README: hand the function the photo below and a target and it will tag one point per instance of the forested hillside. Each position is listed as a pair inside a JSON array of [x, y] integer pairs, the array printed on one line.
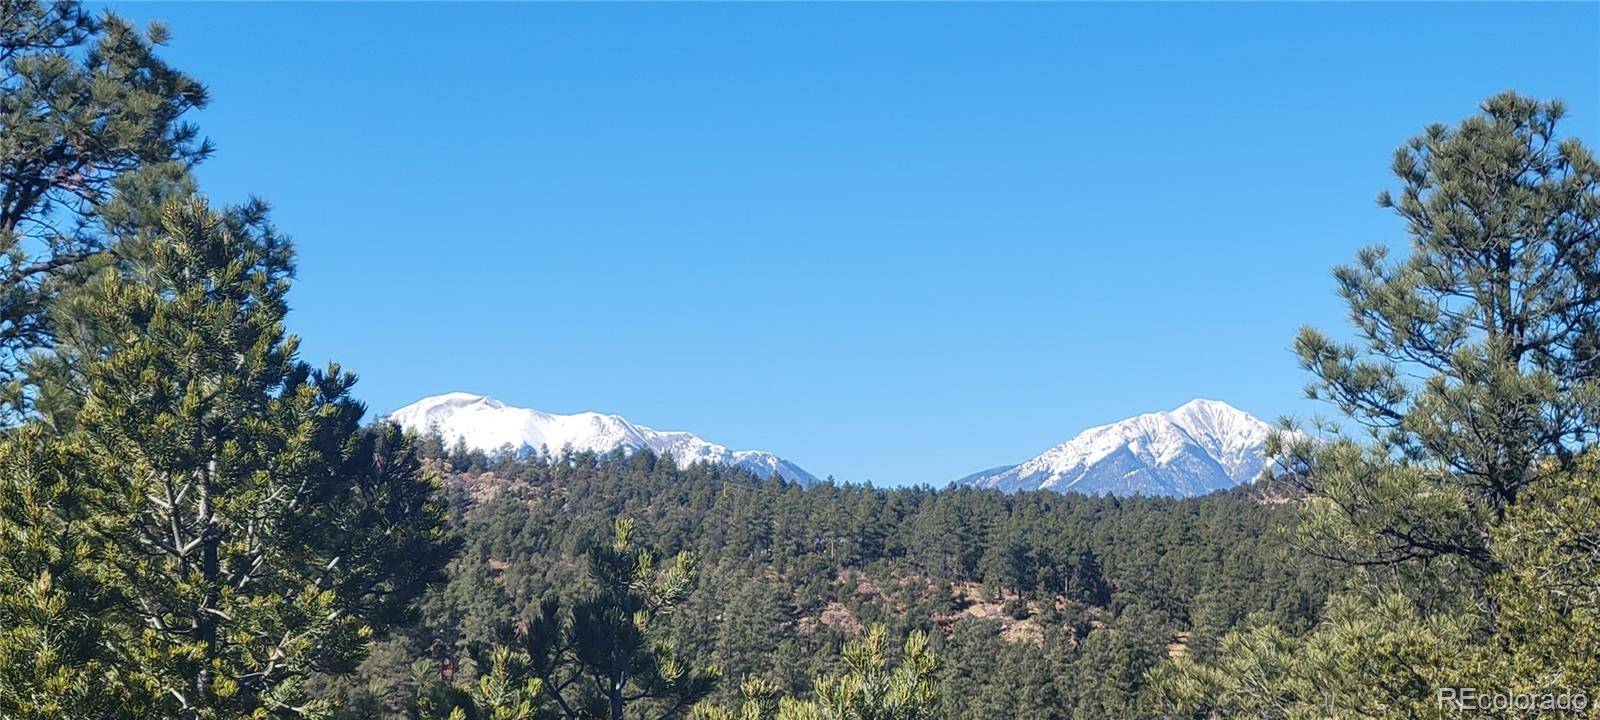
[[1039, 604]]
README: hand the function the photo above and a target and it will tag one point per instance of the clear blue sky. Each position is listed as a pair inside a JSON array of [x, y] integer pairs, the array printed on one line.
[[890, 242]]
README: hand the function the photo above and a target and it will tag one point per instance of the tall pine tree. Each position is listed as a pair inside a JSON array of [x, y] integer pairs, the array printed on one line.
[[1466, 511], [1478, 358], [89, 112], [262, 535]]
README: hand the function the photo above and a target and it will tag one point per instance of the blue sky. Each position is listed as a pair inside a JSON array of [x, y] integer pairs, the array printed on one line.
[[890, 242]]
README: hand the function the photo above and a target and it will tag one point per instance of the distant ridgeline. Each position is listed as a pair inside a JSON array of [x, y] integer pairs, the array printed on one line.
[[1039, 604], [1201, 447], [483, 423]]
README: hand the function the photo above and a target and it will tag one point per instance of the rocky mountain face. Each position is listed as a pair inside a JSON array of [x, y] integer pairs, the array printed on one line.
[[1197, 448]]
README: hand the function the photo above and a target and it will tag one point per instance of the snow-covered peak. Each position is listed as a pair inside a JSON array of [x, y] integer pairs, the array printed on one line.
[[452, 401], [1200, 446], [1233, 437], [490, 425], [1213, 414]]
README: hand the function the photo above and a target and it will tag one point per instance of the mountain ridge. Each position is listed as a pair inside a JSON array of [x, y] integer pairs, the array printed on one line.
[[487, 424], [1199, 447]]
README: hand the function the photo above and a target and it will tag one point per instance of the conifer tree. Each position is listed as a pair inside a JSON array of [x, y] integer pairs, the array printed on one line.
[[760, 700], [262, 535], [610, 656], [89, 111], [1479, 352], [505, 690], [1470, 510], [875, 687], [55, 590], [1549, 592]]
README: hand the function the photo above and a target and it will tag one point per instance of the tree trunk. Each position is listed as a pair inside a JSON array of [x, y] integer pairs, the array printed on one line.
[[205, 622]]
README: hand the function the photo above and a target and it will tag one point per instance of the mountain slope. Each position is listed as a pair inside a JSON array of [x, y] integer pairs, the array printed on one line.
[[1197, 448], [489, 425]]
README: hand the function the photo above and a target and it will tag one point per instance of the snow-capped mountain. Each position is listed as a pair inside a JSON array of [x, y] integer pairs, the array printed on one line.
[[489, 425], [1200, 447]]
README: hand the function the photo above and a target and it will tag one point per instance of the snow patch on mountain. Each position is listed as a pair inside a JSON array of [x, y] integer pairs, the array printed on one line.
[[1197, 448], [487, 424]]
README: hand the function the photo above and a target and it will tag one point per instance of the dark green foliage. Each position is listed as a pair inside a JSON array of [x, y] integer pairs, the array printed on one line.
[[787, 575], [1469, 509], [89, 111], [609, 656], [259, 534], [1479, 352], [384, 521]]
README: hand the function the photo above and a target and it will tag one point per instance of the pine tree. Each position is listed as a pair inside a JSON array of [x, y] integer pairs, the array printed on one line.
[[609, 656], [1470, 511], [760, 701], [1549, 592], [55, 591], [262, 535], [1495, 311], [89, 112], [875, 687], [1086, 582], [505, 690]]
